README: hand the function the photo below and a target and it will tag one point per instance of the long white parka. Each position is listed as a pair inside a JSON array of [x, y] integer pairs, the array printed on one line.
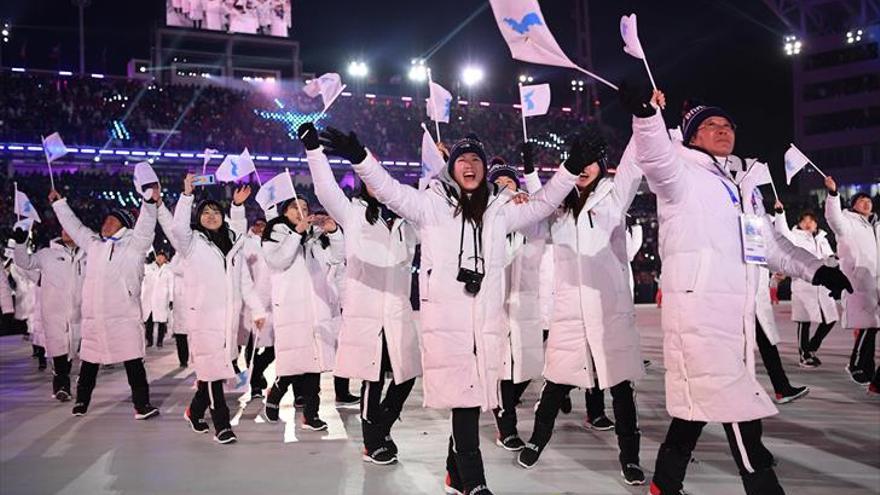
[[593, 323], [858, 246], [708, 316], [303, 309], [62, 271], [262, 275], [215, 285], [112, 324], [461, 335], [809, 302], [157, 292], [377, 284]]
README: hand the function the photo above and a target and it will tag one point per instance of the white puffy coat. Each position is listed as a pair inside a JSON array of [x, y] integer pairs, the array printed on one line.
[[7, 305], [377, 284], [764, 306], [809, 302], [593, 323], [157, 292], [858, 246], [262, 275], [62, 271], [302, 307], [112, 323], [461, 337], [177, 320], [24, 293], [215, 285], [708, 315]]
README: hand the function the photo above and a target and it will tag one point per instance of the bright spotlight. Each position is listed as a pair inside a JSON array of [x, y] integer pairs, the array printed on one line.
[[523, 78], [418, 72], [792, 45], [357, 68], [471, 75], [854, 36]]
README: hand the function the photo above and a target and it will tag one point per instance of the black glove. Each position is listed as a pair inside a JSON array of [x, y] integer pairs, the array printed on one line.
[[19, 235], [832, 279], [309, 136], [587, 147], [778, 211], [344, 146], [528, 156], [636, 100]]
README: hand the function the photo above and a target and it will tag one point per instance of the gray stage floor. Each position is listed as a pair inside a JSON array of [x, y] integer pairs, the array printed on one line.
[[828, 442]]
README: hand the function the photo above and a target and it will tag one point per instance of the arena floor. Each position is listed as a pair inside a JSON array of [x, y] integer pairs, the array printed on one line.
[[828, 442]]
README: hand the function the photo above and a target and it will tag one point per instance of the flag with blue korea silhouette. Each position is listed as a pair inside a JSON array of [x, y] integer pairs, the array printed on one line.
[[439, 103], [535, 99], [24, 208], [527, 35], [54, 147], [234, 167], [276, 190]]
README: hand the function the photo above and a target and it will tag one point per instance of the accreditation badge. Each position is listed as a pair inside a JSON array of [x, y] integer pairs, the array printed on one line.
[[751, 232]]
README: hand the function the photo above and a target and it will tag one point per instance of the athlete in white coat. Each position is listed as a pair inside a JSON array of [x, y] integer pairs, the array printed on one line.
[[112, 326], [61, 268], [217, 281], [522, 344], [592, 332], [378, 335], [710, 282], [463, 223], [157, 295], [858, 246], [263, 339], [7, 303], [809, 304], [299, 255]]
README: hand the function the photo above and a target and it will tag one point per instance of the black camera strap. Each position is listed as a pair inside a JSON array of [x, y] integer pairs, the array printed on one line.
[[479, 263]]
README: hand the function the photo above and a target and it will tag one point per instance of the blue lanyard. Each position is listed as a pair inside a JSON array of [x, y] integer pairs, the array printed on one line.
[[721, 176]]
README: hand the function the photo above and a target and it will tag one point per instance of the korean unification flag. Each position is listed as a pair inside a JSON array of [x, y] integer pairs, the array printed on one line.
[[432, 159], [143, 175], [527, 35], [234, 167], [756, 174], [329, 86], [629, 32], [54, 147], [24, 208], [439, 103], [535, 99], [275, 190], [794, 162]]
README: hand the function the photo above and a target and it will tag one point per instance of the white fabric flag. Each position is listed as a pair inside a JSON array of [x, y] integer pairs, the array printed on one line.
[[535, 99], [24, 208], [329, 86], [756, 174], [143, 175], [432, 159], [234, 167], [275, 190], [24, 224], [439, 103], [794, 162], [527, 35], [54, 147], [629, 31]]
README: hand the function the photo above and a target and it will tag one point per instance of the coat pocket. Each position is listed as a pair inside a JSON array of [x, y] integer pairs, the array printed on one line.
[[682, 271]]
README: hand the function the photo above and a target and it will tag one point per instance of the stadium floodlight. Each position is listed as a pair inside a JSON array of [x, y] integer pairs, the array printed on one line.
[[792, 45], [418, 72], [358, 69], [853, 36], [524, 78], [471, 75]]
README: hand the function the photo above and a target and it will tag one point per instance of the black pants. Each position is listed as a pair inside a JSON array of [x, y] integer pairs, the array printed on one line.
[[148, 330], [807, 344], [464, 463], [754, 461], [40, 354], [862, 356], [341, 387], [378, 415], [262, 360], [772, 361], [505, 416], [625, 415], [182, 349], [61, 373], [210, 394], [306, 386], [137, 380], [595, 400]]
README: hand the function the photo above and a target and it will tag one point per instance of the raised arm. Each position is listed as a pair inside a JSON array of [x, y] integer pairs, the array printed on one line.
[[166, 221], [533, 182], [543, 203], [327, 190], [628, 177], [833, 212], [634, 240], [181, 230], [282, 247], [81, 235], [780, 224], [145, 228], [406, 201], [237, 214], [784, 257]]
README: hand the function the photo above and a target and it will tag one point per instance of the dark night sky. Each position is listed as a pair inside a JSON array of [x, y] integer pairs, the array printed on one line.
[[726, 53]]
